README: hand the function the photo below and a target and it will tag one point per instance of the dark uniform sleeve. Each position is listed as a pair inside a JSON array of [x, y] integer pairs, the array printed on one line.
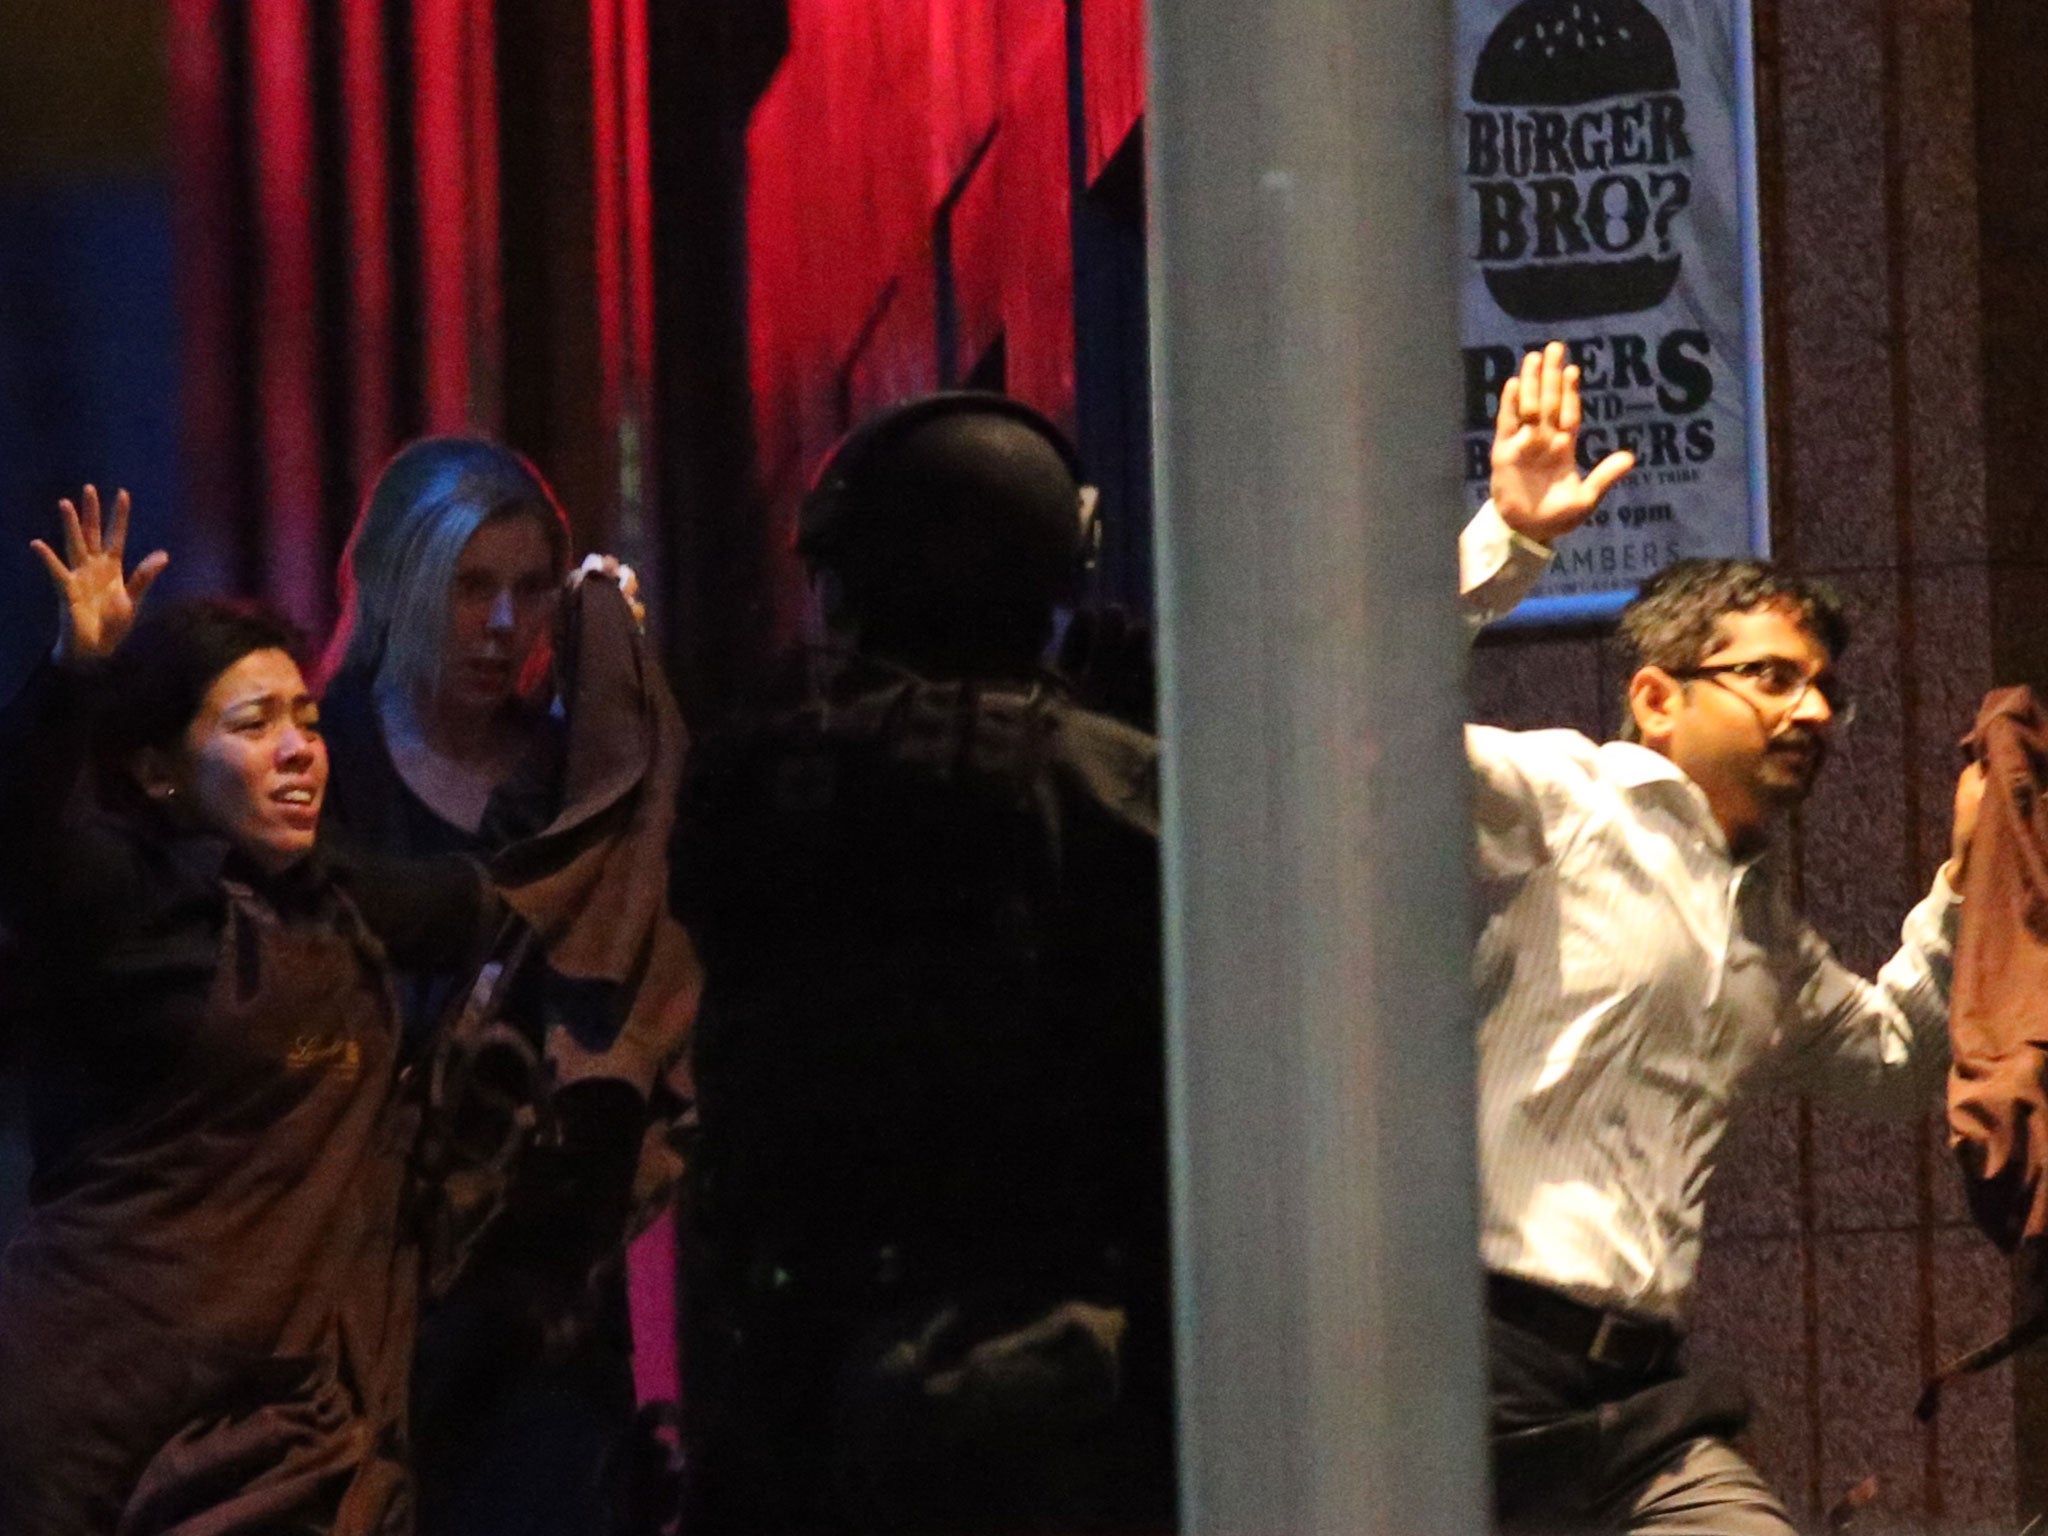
[[432, 915], [63, 870]]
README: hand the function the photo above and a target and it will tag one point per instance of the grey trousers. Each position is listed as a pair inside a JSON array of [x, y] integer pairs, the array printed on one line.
[[1705, 1489]]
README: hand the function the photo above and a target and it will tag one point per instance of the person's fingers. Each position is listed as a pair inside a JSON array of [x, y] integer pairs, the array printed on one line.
[[1553, 383], [89, 520], [117, 533], [60, 573], [74, 536], [627, 578], [1510, 417], [1529, 398], [1568, 408], [145, 574], [1607, 471]]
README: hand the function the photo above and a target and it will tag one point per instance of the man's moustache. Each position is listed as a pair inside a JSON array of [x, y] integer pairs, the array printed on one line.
[[1804, 742]]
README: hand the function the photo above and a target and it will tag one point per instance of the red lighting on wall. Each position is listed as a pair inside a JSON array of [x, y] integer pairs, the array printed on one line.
[[636, 165], [202, 178], [607, 219], [364, 109], [297, 572], [1113, 60], [622, 233], [484, 264], [455, 125]]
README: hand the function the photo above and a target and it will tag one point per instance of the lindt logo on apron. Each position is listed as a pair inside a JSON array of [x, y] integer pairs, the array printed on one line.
[[1606, 195]]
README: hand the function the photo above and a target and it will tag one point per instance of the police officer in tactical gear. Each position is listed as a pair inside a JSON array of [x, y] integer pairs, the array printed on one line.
[[928, 1286]]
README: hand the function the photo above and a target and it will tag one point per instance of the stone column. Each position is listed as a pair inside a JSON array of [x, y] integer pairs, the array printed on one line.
[[1304, 336]]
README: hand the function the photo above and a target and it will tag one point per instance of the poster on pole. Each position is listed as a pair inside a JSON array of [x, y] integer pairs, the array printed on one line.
[[1607, 196]]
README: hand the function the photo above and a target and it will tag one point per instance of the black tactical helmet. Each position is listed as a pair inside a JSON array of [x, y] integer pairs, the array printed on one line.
[[948, 527]]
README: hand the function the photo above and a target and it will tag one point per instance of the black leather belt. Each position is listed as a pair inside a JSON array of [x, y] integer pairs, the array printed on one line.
[[1618, 1341]]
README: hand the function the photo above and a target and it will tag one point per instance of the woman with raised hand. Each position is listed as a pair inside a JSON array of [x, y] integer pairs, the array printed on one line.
[[206, 1321]]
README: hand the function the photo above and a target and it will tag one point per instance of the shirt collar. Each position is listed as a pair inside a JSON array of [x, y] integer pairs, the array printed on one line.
[[208, 857], [1635, 769], [201, 856], [1631, 765]]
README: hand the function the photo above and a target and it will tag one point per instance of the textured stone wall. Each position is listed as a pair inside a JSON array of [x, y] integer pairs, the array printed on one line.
[[1841, 1265]]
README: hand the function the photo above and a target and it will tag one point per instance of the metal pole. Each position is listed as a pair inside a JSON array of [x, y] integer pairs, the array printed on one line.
[[1304, 340]]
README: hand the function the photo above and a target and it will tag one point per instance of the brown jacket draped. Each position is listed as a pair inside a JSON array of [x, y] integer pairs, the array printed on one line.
[[1998, 1021]]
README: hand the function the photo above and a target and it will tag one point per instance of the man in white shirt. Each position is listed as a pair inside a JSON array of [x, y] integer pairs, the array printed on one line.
[[1640, 971]]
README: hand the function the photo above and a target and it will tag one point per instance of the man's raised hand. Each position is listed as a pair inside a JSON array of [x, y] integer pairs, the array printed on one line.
[[99, 601], [1537, 487]]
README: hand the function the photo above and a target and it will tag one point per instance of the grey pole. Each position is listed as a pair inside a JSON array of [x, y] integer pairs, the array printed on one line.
[[1304, 341]]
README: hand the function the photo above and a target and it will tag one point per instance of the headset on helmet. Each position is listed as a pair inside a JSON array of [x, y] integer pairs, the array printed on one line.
[[822, 520]]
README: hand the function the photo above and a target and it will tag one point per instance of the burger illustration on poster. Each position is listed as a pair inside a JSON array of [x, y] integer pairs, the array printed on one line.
[[1578, 155], [1605, 204]]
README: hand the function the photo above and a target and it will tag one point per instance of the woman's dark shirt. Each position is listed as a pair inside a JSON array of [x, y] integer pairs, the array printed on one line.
[[373, 812], [369, 798]]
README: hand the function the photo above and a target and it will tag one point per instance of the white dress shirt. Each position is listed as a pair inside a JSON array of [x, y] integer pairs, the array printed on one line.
[[1635, 983]]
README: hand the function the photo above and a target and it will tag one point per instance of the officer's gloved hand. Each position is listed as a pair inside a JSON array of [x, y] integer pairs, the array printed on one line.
[[1060, 1367], [945, 1426]]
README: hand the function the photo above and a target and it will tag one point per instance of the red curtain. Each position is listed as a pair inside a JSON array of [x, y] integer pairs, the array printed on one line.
[[341, 262]]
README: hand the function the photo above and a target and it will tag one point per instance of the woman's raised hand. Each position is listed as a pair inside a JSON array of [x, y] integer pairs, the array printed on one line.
[[99, 601]]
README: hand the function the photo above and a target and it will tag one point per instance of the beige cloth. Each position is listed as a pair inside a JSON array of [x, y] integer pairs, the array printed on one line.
[[1705, 1489]]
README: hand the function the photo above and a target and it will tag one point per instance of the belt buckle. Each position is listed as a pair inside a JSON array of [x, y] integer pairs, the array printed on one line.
[[1603, 1350]]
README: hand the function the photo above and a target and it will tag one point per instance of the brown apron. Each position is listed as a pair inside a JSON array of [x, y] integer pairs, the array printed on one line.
[[208, 1330]]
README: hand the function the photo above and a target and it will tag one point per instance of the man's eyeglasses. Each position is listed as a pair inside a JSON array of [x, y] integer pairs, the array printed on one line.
[[1780, 680]]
